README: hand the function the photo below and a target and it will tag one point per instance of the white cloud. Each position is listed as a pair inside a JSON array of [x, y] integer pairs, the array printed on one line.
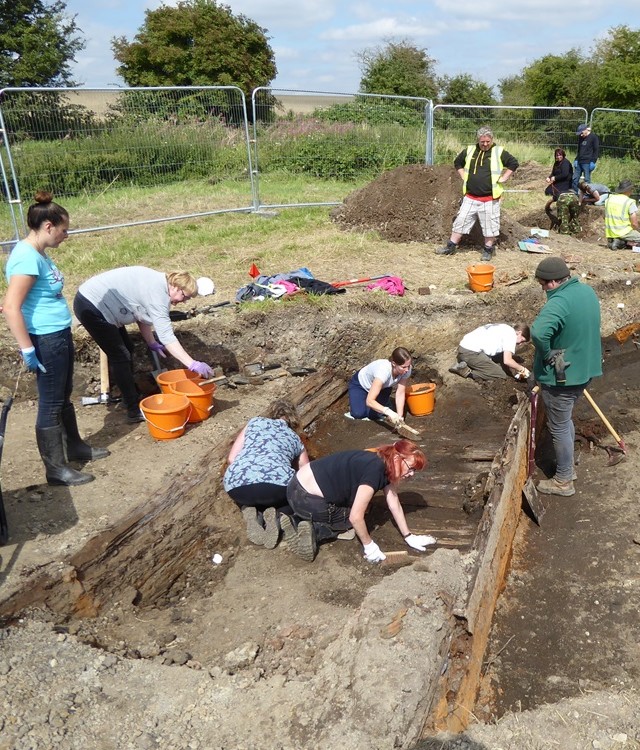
[[284, 14]]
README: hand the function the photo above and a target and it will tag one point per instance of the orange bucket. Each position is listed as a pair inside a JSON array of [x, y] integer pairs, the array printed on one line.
[[166, 415], [165, 379], [200, 397], [481, 277], [421, 398]]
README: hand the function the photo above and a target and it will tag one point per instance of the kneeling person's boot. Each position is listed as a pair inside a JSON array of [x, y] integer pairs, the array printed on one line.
[[51, 447], [77, 448], [449, 249], [487, 252], [301, 540]]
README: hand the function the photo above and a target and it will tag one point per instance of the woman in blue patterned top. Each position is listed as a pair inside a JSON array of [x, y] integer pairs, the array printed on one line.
[[40, 320], [261, 463]]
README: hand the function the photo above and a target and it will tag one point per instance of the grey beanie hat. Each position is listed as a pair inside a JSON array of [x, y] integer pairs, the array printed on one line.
[[552, 269], [624, 186]]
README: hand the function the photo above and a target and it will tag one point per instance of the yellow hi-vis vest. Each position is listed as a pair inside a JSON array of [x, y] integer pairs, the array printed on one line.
[[496, 170], [616, 215]]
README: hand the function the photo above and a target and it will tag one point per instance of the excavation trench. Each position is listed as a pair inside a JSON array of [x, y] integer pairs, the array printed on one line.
[[275, 631]]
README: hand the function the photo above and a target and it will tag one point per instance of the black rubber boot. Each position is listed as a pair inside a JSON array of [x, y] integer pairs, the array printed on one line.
[[77, 449], [51, 447]]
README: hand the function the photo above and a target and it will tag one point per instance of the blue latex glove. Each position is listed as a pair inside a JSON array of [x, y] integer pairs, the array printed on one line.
[[202, 368], [31, 360], [158, 349], [592, 165]]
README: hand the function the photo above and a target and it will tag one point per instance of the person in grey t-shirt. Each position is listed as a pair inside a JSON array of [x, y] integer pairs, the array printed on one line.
[[106, 303]]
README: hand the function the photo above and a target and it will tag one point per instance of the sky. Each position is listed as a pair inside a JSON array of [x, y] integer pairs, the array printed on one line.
[[316, 42]]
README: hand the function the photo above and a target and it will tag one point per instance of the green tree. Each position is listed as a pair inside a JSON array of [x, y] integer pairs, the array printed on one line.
[[615, 64], [398, 68], [38, 43], [196, 43], [464, 89]]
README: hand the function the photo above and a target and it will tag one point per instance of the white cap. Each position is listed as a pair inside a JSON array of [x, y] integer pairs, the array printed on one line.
[[205, 286]]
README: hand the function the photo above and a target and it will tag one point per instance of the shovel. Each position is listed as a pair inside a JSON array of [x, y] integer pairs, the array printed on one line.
[[104, 397], [530, 491], [158, 366], [614, 458]]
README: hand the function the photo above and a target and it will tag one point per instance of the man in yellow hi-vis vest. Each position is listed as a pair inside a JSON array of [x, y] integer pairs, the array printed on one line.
[[484, 168], [621, 217]]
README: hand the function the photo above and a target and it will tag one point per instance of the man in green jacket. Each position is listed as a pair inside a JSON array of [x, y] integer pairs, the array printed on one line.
[[566, 335]]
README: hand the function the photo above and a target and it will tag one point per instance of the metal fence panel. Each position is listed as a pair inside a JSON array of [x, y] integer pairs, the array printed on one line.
[[82, 143], [618, 131], [333, 136], [454, 125]]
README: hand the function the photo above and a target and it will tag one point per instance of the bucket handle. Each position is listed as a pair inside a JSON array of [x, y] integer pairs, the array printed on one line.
[[172, 429]]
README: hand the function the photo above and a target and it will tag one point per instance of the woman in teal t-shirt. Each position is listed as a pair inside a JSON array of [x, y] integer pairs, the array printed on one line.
[[39, 318]]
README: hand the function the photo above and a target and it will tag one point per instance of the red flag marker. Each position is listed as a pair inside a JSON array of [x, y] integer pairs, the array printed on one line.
[[254, 271]]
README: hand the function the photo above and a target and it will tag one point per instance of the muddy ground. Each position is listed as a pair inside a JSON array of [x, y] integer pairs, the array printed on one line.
[[266, 651]]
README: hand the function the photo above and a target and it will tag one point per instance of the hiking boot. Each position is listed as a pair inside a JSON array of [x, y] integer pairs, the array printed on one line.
[[554, 487], [462, 369], [134, 416], [487, 253], [347, 535], [255, 531], [618, 244], [302, 540], [450, 249], [271, 528]]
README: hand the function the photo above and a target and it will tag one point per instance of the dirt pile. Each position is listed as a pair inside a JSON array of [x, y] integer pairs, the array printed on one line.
[[418, 203], [415, 203]]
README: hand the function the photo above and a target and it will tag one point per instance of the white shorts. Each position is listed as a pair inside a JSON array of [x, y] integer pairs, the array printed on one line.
[[486, 212]]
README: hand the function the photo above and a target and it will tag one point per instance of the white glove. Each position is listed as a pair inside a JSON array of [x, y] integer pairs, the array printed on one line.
[[420, 541], [522, 375], [393, 416], [373, 553]]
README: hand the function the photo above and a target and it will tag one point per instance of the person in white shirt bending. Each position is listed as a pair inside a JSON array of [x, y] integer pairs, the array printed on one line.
[[487, 352]]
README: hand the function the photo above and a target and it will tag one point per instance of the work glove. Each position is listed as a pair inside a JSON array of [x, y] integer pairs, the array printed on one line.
[[157, 347], [420, 541], [393, 416], [592, 165], [202, 368], [524, 375], [31, 360], [373, 553]]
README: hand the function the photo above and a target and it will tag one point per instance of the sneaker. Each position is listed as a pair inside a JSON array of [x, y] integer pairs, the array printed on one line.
[[347, 535], [134, 416], [449, 249], [487, 253], [271, 528], [462, 369], [349, 415], [554, 487], [255, 531]]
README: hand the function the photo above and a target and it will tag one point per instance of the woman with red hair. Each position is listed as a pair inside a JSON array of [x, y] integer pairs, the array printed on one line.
[[331, 495]]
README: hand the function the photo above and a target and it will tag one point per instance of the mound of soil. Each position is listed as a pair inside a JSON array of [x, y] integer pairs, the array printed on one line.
[[415, 203]]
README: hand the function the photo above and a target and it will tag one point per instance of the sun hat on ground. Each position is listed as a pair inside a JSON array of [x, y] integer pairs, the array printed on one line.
[[552, 269], [205, 286]]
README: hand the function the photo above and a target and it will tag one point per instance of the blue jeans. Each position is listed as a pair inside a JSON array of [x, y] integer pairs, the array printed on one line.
[[56, 352], [558, 403], [578, 169], [358, 400]]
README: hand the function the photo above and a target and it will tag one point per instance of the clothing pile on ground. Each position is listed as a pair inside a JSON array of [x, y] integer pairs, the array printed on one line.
[[281, 284]]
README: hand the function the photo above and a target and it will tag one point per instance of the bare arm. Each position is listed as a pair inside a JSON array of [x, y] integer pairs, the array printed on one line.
[[358, 509], [19, 288], [237, 446], [505, 175], [509, 361], [373, 394], [401, 393], [633, 218], [393, 501], [175, 350], [146, 331]]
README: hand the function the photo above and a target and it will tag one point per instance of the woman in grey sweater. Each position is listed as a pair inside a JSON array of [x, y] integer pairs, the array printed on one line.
[[106, 303]]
